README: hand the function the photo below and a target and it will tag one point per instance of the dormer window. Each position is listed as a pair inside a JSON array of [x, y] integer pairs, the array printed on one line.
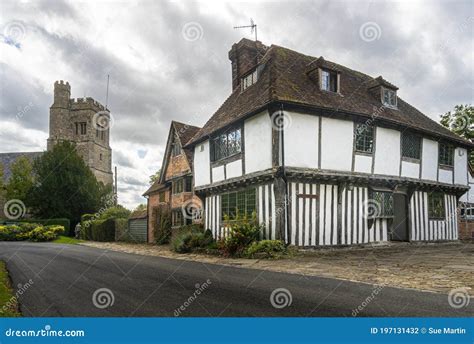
[[249, 80], [329, 80], [389, 97]]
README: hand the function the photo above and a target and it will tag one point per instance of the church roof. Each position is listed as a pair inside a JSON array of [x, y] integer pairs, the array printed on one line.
[[7, 159], [286, 78]]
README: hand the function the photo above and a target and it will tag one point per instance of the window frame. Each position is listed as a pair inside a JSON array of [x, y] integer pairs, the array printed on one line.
[[445, 155], [325, 85], [389, 92], [249, 79], [405, 155], [221, 154], [162, 197], [386, 212], [177, 186], [249, 198], [358, 132], [436, 214]]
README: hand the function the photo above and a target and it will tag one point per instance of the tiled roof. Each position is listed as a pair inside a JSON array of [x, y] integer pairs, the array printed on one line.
[[7, 159], [139, 214], [285, 78]]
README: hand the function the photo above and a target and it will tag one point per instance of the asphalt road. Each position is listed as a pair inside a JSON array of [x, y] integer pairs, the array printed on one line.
[[65, 278]]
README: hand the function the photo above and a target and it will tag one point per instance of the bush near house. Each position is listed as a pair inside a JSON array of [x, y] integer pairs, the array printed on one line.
[[243, 231], [162, 230], [192, 238], [272, 249], [104, 225], [29, 231]]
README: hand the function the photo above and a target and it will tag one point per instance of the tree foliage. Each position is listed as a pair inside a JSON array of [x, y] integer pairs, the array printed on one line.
[[65, 186], [155, 177], [461, 122], [21, 180]]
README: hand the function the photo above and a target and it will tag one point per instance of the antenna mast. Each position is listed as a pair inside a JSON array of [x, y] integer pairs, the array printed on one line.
[[107, 93], [252, 26]]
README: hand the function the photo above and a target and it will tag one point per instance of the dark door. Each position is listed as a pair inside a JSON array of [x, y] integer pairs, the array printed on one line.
[[399, 226]]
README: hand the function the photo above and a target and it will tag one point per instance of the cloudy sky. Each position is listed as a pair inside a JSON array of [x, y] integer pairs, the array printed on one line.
[[168, 60]]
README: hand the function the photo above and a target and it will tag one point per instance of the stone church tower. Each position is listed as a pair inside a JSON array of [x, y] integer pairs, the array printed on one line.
[[85, 122]]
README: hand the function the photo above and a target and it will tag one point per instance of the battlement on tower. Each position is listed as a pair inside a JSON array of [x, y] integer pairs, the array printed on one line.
[[86, 103]]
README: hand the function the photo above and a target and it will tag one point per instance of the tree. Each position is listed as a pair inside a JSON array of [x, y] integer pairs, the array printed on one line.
[[21, 180], [461, 122], [155, 177], [65, 186], [140, 207], [2, 185]]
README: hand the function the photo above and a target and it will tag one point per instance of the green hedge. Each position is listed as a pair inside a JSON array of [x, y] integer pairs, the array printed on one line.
[[98, 230], [49, 222], [29, 231]]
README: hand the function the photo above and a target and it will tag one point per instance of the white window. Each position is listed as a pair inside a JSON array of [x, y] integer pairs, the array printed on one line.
[[389, 97], [329, 80], [249, 80]]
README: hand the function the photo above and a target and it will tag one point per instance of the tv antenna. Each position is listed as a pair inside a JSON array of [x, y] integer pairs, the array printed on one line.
[[252, 26]]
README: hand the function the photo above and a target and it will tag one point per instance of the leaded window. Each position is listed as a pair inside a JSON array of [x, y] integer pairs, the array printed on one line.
[[329, 80], [178, 219], [389, 97], [364, 138], [436, 208], [178, 186], [226, 144], [411, 146], [249, 79], [380, 205], [446, 154], [81, 128], [241, 202]]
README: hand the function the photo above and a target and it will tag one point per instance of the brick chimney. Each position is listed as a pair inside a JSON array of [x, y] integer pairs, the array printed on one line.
[[245, 56]]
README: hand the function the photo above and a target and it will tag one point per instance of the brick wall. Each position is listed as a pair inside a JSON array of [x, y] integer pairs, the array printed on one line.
[[466, 229]]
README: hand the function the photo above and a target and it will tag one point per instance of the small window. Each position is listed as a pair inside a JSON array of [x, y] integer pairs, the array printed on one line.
[[81, 128], [100, 157], [175, 147], [364, 138], [436, 209], [382, 205], [411, 146], [329, 81], [389, 97], [161, 197], [178, 186], [249, 80], [188, 187], [238, 202], [226, 145], [446, 154]]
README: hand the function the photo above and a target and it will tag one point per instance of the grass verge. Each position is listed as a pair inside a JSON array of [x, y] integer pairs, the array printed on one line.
[[67, 240], [8, 302]]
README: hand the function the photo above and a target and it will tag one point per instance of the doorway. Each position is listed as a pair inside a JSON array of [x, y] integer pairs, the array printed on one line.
[[400, 219]]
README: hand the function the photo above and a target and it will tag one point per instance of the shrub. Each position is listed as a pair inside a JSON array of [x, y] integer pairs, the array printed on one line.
[[266, 249], [49, 222], [242, 232], [162, 230], [116, 212], [30, 231], [121, 230], [101, 230], [191, 238]]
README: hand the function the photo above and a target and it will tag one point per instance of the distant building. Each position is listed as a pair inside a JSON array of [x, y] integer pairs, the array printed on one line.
[[83, 121]]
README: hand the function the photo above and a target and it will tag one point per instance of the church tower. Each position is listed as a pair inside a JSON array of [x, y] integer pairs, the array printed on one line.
[[85, 122]]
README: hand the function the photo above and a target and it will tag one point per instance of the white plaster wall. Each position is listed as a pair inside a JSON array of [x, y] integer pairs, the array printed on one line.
[[460, 166], [429, 159], [445, 176], [201, 164], [301, 140], [387, 152], [258, 143], [337, 137], [410, 169], [363, 163], [233, 169], [217, 173]]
